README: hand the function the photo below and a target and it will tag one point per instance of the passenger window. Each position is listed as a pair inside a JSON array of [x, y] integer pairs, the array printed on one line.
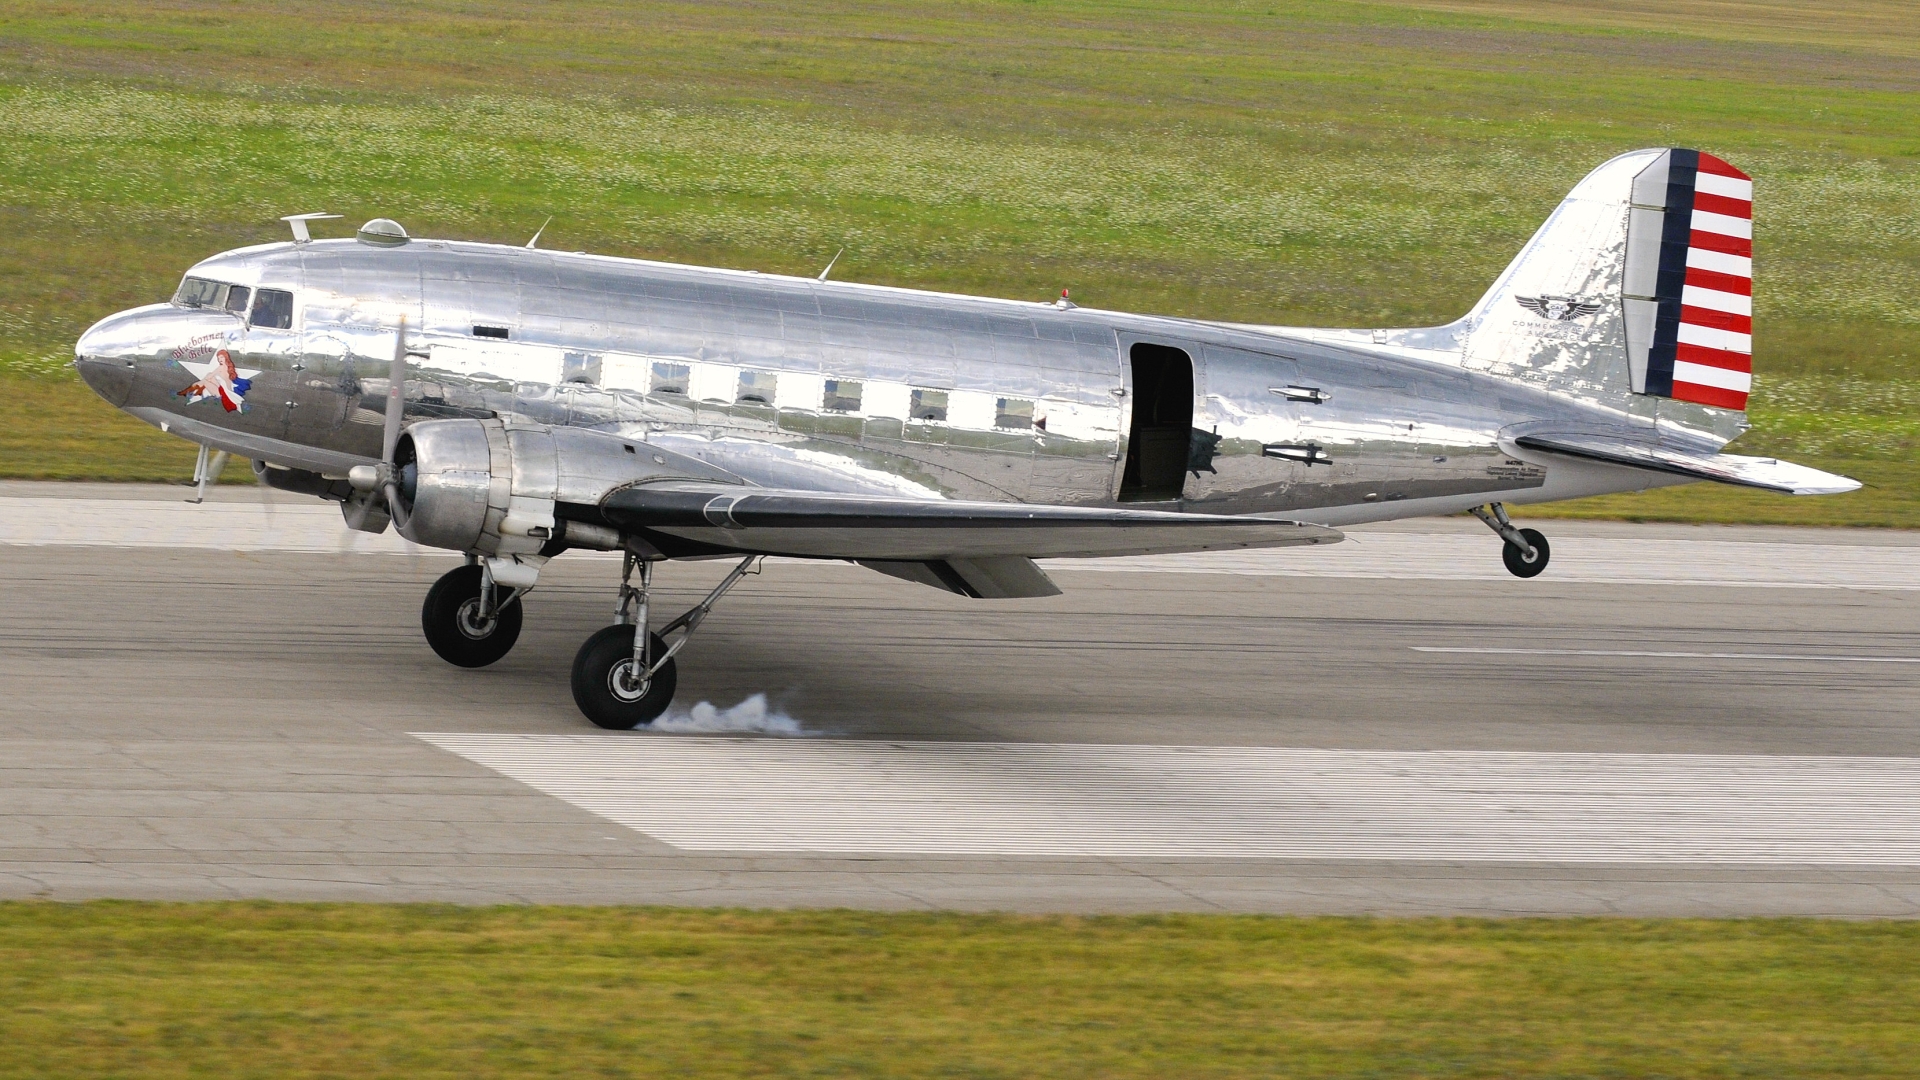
[[580, 368], [237, 299], [928, 405], [756, 388], [841, 396], [1015, 413], [670, 378], [273, 309], [199, 292]]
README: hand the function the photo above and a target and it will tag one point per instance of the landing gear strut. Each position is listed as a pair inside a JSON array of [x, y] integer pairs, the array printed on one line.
[[624, 676], [466, 619], [206, 470], [1526, 550]]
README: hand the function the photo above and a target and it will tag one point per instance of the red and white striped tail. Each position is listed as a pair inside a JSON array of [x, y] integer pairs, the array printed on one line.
[[1689, 280]]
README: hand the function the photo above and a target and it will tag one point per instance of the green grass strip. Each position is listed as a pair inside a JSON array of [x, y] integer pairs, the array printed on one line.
[[295, 990]]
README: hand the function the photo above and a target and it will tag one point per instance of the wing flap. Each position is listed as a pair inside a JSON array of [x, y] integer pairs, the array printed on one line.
[[859, 527], [1770, 474], [1007, 577]]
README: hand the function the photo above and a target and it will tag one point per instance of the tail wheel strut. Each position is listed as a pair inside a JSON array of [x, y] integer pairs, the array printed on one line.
[[1526, 550]]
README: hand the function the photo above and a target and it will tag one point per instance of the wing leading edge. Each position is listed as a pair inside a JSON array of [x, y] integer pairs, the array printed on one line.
[[865, 528]]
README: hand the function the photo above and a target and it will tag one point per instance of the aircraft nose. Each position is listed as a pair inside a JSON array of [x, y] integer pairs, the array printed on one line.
[[106, 356], [109, 338]]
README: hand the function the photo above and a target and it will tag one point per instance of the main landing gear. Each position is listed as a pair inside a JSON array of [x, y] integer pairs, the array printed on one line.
[[1526, 550], [467, 621], [624, 676]]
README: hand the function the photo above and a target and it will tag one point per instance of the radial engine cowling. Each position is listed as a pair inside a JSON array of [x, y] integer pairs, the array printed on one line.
[[489, 487]]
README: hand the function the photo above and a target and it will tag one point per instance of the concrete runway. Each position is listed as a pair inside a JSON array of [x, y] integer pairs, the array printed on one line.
[[1671, 720]]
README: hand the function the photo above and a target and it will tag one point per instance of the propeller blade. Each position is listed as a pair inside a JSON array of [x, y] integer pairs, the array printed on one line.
[[396, 406], [265, 489], [396, 391]]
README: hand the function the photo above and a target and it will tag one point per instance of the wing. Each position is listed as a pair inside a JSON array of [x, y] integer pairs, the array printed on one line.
[[244, 444], [1533, 304], [1771, 474], [1585, 307], [865, 528]]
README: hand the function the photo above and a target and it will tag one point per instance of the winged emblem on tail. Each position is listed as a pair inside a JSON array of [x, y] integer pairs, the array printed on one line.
[[1558, 307]]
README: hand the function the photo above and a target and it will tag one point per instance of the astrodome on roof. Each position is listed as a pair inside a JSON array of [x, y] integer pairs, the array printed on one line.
[[383, 232]]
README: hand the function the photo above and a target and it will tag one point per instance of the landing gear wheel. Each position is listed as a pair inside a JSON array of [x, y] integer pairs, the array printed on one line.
[[1516, 558], [604, 685], [451, 619]]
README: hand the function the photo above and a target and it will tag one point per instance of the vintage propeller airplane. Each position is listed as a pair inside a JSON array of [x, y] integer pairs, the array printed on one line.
[[512, 403]]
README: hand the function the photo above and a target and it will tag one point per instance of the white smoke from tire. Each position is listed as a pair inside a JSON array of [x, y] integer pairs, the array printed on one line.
[[750, 717]]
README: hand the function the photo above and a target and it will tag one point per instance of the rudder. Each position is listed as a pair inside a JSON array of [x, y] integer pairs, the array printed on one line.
[[1688, 287]]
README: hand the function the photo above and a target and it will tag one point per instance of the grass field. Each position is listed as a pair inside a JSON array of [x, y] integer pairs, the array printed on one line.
[[1314, 163], [275, 990]]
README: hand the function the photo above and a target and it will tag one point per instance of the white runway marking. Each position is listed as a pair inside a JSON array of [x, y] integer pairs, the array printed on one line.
[[1043, 799], [1672, 655], [227, 526], [1436, 556]]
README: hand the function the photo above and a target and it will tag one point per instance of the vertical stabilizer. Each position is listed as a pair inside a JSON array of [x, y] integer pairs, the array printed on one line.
[[1637, 292]]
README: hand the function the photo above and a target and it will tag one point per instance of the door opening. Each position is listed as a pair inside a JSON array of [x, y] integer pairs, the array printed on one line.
[[1157, 443]]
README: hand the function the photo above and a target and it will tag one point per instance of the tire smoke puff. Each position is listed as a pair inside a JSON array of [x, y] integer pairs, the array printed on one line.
[[751, 716]]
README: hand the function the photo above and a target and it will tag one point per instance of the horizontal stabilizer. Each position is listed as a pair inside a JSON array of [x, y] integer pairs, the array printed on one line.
[[861, 527], [1771, 474]]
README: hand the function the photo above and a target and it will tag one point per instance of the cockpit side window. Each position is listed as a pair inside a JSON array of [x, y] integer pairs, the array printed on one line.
[[199, 292], [237, 299], [273, 309]]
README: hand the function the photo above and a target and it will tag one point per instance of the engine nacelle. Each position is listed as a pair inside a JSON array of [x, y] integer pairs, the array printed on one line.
[[489, 487]]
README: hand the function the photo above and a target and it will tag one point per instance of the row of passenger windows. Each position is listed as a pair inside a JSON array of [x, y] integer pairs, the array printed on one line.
[[840, 395], [271, 309]]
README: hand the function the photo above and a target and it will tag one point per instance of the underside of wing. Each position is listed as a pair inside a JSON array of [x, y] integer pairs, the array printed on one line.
[[258, 447], [1004, 577], [1770, 474], [866, 528]]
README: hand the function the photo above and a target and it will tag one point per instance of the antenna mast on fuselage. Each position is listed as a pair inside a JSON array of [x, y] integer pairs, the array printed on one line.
[[299, 224]]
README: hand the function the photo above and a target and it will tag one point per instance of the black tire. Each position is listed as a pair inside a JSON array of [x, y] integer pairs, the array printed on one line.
[[607, 655], [448, 618], [1516, 558]]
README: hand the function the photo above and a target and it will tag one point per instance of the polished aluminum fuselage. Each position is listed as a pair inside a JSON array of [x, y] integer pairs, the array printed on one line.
[[1016, 401]]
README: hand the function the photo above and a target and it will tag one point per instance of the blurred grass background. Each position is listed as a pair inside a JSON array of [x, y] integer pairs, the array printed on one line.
[[1308, 163], [296, 990]]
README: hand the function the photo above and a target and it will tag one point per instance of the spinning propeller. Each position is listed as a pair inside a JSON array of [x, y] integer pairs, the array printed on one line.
[[390, 435], [387, 477]]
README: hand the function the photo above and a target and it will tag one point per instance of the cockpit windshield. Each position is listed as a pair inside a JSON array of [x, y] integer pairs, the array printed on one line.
[[199, 292], [266, 308]]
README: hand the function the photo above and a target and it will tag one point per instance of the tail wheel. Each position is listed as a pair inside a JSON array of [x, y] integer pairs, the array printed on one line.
[[453, 624], [1517, 560], [609, 687]]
